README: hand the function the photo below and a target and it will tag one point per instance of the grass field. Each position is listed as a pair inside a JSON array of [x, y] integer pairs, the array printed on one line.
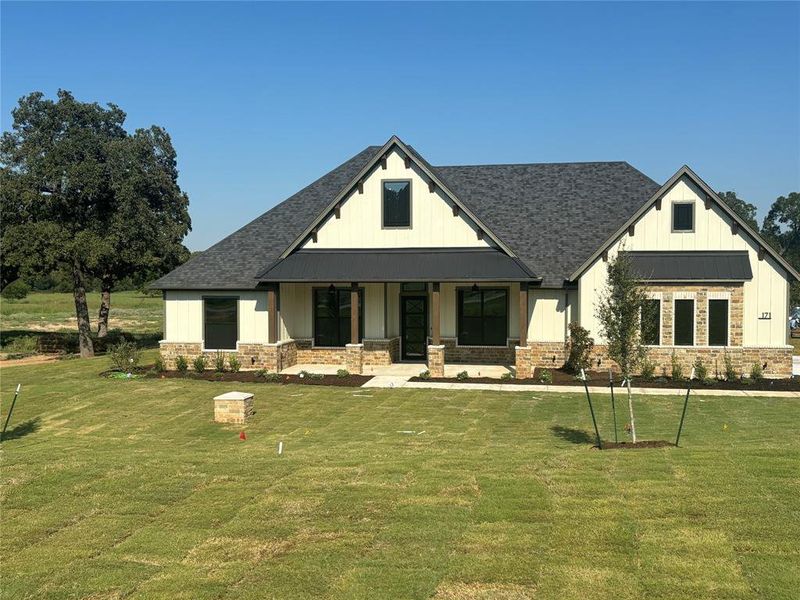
[[115, 488], [130, 311]]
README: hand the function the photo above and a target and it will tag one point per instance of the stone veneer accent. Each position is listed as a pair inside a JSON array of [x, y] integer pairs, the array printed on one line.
[[170, 351], [381, 351], [522, 355], [273, 357], [375, 352], [497, 355], [355, 358], [233, 407], [436, 358]]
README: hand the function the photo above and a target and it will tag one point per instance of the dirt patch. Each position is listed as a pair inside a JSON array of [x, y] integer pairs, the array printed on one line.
[[638, 445], [255, 377], [29, 360], [600, 379]]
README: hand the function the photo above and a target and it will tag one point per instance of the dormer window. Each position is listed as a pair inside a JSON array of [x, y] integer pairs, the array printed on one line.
[[396, 204], [683, 216]]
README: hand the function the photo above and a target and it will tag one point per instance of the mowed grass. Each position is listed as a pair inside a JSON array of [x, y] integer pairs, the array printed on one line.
[[131, 311], [126, 488]]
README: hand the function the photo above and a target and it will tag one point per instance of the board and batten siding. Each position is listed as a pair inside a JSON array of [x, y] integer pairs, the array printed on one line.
[[361, 218], [183, 312], [767, 292]]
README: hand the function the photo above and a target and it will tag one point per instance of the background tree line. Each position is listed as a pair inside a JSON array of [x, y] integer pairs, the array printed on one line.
[[85, 204]]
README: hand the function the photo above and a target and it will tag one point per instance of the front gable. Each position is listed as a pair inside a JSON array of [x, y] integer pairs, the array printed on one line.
[[436, 221]]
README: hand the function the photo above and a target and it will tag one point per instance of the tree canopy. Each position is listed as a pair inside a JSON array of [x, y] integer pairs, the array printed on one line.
[[741, 207]]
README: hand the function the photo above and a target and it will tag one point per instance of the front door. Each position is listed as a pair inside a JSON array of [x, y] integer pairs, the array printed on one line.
[[414, 327]]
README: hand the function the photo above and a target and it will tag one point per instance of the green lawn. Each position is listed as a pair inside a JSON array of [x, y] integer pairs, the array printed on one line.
[[131, 311], [115, 488]]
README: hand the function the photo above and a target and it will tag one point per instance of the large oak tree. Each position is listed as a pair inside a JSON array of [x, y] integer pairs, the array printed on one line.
[[80, 193]]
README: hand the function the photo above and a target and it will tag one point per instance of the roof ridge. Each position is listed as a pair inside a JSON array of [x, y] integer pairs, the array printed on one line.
[[530, 164]]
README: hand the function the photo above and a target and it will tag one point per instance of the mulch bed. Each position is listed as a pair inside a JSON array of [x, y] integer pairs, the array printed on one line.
[[637, 445], [600, 379], [253, 377]]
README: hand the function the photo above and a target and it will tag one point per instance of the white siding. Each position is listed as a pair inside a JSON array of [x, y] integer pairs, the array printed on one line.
[[547, 315], [766, 292], [432, 220], [184, 315]]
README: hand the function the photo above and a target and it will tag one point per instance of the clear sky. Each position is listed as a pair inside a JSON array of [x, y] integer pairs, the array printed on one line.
[[261, 99]]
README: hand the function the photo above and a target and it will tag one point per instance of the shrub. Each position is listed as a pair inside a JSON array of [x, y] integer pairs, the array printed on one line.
[[181, 364], [730, 372], [756, 372], [462, 376], [309, 375], [342, 373], [425, 374], [159, 365], [506, 376], [648, 368], [233, 363], [272, 377], [199, 363], [219, 362], [700, 369], [16, 290], [677, 368], [24, 346], [579, 348], [545, 376], [124, 355]]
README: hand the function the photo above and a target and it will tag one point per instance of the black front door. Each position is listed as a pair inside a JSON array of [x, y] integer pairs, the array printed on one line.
[[414, 327]]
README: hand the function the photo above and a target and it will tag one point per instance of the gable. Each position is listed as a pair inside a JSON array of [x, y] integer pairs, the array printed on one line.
[[436, 221]]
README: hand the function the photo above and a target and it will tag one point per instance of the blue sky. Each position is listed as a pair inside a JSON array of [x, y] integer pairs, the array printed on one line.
[[261, 99]]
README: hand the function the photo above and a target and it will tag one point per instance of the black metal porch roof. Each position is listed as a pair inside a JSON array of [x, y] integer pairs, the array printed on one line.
[[692, 265]]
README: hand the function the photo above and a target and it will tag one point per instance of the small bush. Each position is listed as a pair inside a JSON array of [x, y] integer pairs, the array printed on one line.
[[272, 377], [425, 374], [219, 362], [234, 363], [199, 363], [506, 376], [124, 355], [756, 372], [700, 369], [545, 376], [648, 369], [462, 376], [579, 349], [16, 290], [22, 346], [677, 368], [181, 364], [159, 366], [309, 375], [730, 372], [342, 373]]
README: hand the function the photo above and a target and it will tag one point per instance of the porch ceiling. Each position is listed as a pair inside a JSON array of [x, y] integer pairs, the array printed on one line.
[[398, 265]]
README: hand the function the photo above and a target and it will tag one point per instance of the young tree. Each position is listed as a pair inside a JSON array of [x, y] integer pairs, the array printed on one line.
[[782, 229], [619, 311], [79, 193]]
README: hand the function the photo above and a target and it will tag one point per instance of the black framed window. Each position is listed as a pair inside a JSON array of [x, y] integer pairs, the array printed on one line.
[[684, 323], [397, 204], [683, 216], [651, 322], [221, 323], [483, 317], [717, 322], [332, 316]]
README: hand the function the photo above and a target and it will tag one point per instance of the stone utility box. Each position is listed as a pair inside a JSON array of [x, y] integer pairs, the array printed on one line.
[[233, 407]]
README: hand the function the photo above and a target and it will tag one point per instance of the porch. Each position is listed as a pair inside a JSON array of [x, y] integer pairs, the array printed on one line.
[[406, 369]]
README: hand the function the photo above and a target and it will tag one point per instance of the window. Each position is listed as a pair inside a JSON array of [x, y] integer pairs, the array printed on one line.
[[683, 216], [482, 317], [414, 287], [717, 322], [397, 204], [684, 323], [651, 322], [332, 316], [221, 323]]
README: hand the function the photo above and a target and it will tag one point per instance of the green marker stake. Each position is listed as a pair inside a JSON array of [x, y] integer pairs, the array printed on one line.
[[591, 409]]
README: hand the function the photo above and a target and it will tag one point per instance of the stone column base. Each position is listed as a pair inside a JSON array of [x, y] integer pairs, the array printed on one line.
[[280, 355], [523, 356], [436, 361], [233, 407], [355, 358]]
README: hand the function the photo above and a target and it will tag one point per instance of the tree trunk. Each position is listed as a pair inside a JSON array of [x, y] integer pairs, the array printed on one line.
[[630, 410], [105, 307], [82, 312]]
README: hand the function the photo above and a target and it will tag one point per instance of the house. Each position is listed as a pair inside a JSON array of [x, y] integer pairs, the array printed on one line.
[[388, 258]]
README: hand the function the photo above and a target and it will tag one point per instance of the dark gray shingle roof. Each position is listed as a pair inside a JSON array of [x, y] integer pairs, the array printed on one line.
[[553, 216]]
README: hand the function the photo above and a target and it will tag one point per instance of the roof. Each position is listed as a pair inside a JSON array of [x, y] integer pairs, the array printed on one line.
[[406, 264], [691, 266], [551, 217]]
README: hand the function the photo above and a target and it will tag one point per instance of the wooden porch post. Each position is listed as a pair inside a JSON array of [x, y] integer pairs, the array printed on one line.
[[272, 313], [353, 313], [435, 319], [523, 314]]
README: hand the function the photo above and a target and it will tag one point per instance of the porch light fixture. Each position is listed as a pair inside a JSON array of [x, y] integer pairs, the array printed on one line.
[[475, 287], [331, 288]]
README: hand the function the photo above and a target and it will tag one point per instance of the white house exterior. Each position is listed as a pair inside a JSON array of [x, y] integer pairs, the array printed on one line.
[[387, 259]]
